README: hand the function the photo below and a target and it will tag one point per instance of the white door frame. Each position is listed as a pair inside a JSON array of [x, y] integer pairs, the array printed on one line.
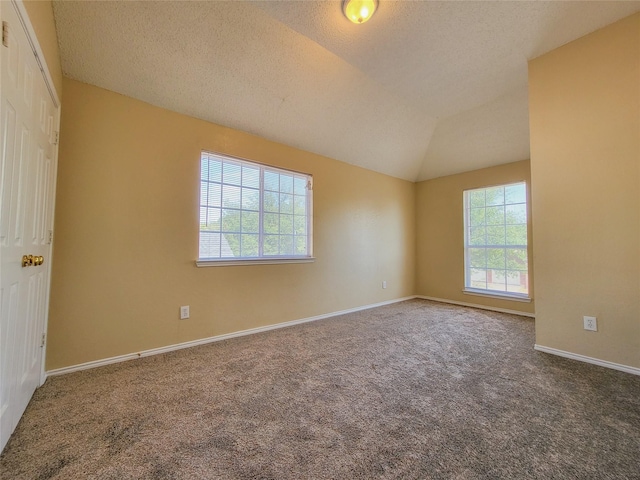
[[42, 63]]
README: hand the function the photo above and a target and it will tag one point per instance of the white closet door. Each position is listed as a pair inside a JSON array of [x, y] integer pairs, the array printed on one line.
[[27, 130]]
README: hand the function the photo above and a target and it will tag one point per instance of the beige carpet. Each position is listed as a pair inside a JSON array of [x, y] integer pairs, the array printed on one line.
[[415, 390]]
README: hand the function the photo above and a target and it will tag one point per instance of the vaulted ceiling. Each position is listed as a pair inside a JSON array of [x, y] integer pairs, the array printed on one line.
[[422, 90]]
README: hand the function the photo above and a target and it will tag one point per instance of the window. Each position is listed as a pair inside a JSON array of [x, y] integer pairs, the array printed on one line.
[[495, 243], [252, 212]]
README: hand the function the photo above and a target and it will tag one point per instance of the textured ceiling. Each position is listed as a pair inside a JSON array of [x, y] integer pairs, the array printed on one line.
[[422, 90]]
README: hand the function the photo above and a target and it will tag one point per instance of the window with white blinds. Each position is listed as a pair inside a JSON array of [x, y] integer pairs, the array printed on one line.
[[496, 251], [253, 212]]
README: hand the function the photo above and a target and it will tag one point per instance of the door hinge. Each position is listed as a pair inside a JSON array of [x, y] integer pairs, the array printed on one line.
[[44, 337], [56, 137], [5, 34], [50, 237]]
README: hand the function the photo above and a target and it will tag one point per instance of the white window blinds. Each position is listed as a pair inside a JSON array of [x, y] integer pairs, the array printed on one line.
[[252, 211]]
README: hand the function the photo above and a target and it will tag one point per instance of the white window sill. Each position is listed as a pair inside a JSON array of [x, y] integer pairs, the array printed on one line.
[[499, 295], [254, 261]]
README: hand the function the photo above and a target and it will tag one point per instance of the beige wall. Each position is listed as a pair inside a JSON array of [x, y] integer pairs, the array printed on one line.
[[585, 167], [126, 234], [41, 16], [440, 234], [126, 222]]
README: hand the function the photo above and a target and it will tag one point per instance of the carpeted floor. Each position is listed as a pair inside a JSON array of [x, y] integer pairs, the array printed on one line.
[[415, 390]]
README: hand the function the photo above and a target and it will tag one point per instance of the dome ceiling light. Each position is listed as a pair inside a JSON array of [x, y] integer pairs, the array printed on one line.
[[359, 11]]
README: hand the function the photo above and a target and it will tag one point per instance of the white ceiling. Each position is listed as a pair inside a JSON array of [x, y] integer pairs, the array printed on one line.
[[422, 90]]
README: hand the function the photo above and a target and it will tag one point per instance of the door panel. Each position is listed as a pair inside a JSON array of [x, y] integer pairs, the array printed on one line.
[[27, 175]]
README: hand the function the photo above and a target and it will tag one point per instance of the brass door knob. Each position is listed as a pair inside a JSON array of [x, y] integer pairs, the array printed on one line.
[[32, 260]]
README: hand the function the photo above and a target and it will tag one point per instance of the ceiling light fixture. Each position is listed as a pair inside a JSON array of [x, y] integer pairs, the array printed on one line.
[[359, 11]]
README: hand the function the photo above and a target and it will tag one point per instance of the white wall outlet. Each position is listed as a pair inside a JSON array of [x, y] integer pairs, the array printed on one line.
[[590, 323], [384, 284], [184, 312]]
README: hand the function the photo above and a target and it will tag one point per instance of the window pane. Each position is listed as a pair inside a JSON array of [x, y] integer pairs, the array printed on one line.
[[249, 245], [477, 235], [299, 205], [517, 259], [286, 184], [250, 177], [477, 257], [286, 224], [212, 219], [215, 171], [476, 198], [250, 199], [271, 223], [513, 277], [250, 222], [231, 173], [230, 196], [495, 235], [495, 215], [516, 194], [230, 245], [478, 278], [209, 245], [516, 234], [517, 282], [204, 192], [286, 203], [516, 213], [301, 245], [477, 217], [204, 168], [271, 202], [495, 196], [496, 280], [230, 220], [300, 225], [271, 181], [495, 258], [286, 245], [300, 186], [215, 195], [271, 244]]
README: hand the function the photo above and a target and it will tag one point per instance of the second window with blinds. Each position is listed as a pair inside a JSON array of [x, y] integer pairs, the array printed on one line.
[[253, 213], [496, 251]]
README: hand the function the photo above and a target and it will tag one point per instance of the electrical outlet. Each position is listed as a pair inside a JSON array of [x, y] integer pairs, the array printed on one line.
[[384, 284], [184, 312], [590, 323]]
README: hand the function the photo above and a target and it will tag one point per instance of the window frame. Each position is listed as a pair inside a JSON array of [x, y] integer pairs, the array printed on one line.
[[500, 294], [261, 259]]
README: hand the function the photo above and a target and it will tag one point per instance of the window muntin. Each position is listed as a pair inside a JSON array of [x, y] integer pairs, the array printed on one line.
[[496, 255], [250, 211]]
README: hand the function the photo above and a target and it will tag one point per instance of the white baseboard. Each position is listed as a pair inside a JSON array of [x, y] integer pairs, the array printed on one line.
[[584, 358], [474, 305], [217, 338]]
